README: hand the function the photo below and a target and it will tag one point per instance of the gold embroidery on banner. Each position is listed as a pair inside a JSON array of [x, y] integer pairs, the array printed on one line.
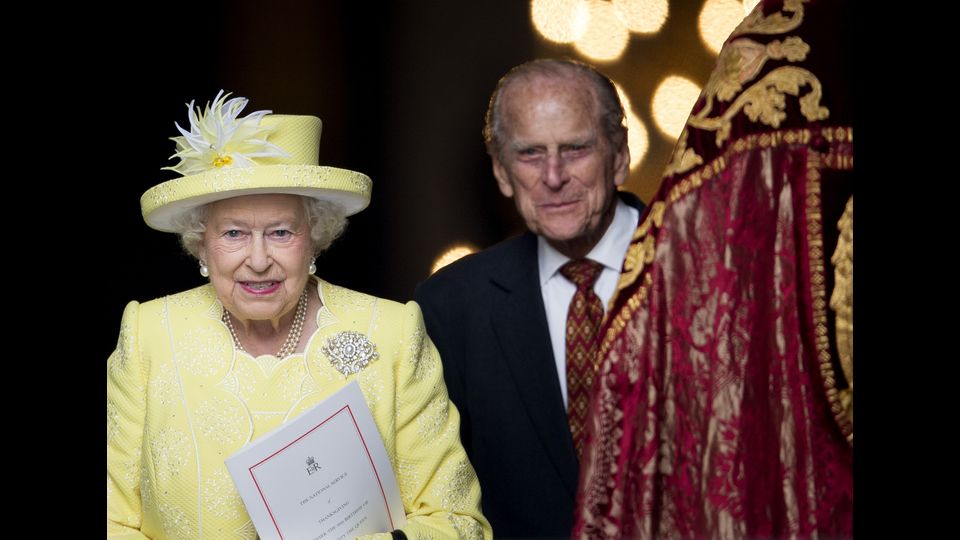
[[775, 23], [841, 301], [765, 101], [633, 264], [625, 314], [764, 140], [641, 252], [818, 294], [695, 180], [657, 213], [636, 255], [654, 218], [838, 134], [683, 158], [742, 60]]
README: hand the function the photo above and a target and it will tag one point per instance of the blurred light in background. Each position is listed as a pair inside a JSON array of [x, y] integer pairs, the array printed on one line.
[[600, 28], [561, 21], [671, 104], [643, 16], [717, 19], [637, 139], [646, 45], [451, 255], [748, 6], [606, 36]]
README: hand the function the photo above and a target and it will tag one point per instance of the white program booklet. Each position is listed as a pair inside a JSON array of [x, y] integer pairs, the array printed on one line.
[[322, 475]]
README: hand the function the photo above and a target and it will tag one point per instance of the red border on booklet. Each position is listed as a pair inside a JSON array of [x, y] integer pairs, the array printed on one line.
[[311, 430]]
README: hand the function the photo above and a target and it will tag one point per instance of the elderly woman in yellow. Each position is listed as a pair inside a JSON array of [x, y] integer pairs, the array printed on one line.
[[199, 374]]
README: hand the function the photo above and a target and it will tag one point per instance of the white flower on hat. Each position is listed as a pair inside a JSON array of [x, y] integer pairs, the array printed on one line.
[[219, 138]]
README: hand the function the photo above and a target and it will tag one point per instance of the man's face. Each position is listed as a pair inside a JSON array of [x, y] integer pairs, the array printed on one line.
[[556, 162]]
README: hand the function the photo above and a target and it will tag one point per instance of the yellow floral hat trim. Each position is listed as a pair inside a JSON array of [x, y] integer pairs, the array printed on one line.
[[225, 156]]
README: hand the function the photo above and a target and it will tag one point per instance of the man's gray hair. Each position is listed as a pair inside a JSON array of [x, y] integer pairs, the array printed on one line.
[[611, 116]]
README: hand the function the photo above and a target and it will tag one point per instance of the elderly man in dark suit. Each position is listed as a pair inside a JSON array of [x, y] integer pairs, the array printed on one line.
[[516, 324]]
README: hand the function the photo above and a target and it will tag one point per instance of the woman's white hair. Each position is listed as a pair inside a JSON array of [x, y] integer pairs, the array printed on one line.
[[327, 222]]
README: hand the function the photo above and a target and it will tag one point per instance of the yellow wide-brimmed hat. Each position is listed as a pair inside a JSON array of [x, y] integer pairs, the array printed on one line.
[[224, 156]]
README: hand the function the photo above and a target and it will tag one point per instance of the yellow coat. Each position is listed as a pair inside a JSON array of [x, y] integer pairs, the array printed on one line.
[[180, 400]]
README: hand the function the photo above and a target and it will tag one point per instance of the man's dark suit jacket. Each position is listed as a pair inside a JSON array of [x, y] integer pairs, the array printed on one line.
[[485, 314]]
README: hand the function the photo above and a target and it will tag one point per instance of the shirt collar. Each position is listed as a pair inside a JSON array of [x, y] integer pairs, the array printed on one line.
[[609, 251]]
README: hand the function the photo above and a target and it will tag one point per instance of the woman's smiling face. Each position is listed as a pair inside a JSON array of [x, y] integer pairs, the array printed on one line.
[[258, 250]]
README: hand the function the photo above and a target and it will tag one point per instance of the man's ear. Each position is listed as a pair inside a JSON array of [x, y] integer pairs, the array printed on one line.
[[503, 179], [621, 164]]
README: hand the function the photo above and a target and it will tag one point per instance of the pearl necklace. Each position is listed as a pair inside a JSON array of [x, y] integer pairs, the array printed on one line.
[[293, 337]]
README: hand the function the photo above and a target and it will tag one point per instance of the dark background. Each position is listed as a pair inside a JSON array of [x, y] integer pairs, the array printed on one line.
[[401, 88]]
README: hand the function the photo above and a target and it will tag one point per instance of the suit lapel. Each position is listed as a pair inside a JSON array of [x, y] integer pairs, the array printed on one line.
[[519, 322]]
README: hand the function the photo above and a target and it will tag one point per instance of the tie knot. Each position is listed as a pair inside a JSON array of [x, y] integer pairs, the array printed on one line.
[[582, 272]]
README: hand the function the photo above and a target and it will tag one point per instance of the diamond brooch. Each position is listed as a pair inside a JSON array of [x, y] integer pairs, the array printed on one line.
[[349, 352]]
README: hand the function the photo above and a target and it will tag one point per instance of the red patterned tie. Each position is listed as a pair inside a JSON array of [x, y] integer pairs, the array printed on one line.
[[583, 321]]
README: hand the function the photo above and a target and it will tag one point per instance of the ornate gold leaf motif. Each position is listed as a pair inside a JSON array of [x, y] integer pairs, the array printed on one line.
[[774, 23], [684, 158], [740, 61], [642, 248], [841, 302], [765, 101]]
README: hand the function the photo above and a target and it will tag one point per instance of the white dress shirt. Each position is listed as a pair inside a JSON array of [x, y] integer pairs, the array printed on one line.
[[558, 291]]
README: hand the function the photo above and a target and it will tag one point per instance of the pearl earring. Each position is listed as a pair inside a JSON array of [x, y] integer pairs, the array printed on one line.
[[204, 271], [313, 267]]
